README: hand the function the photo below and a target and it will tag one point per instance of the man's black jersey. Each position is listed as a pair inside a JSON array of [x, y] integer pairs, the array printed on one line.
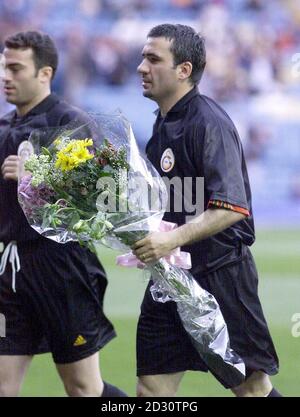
[[198, 139], [51, 112]]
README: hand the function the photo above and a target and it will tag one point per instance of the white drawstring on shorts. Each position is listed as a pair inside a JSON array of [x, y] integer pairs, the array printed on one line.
[[11, 253]]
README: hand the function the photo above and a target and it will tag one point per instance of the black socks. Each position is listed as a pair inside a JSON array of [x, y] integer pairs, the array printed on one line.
[[112, 391], [274, 393]]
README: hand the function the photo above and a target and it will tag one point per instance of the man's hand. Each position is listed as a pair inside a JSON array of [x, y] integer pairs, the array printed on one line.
[[11, 167], [154, 246]]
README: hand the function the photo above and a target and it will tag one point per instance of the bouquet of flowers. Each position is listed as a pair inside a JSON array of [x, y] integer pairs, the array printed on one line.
[[88, 182]]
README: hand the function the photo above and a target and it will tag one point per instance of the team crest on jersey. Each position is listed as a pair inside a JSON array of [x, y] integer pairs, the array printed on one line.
[[167, 161], [25, 150]]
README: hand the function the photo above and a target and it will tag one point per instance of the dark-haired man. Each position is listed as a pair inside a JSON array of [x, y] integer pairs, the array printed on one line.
[[50, 294], [194, 137]]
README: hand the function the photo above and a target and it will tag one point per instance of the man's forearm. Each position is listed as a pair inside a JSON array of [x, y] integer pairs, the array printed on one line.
[[209, 223], [159, 244]]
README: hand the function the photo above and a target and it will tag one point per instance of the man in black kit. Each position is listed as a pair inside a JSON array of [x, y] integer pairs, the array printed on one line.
[[50, 294], [194, 137]]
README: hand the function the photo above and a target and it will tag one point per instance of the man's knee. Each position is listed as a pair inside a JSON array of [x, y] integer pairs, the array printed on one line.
[[12, 372], [257, 385], [77, 388], [154, 386], [82, 378], [143, 390]]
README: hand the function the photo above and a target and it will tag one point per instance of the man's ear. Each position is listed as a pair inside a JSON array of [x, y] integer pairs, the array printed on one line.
[[45, 74], [185, 70]]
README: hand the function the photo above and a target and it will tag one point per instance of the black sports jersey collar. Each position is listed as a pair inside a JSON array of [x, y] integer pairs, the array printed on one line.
[[182, 102], [40, 108]]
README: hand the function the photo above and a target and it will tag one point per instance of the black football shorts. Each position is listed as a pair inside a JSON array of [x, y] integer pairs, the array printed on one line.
[[163, 345], [58, 303]]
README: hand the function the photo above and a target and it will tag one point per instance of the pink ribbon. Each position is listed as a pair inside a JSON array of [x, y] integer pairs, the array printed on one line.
[[176, 257]]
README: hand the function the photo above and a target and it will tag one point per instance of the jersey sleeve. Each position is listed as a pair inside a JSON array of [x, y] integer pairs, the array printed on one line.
[[227, 206], [223, 167]]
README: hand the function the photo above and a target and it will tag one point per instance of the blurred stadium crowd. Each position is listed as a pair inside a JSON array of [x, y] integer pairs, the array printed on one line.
[[250, 50]]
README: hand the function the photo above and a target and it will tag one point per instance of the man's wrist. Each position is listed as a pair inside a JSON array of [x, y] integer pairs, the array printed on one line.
[[181, 236]]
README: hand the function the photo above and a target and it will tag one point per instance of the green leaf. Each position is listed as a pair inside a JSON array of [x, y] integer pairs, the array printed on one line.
[[46, 151]]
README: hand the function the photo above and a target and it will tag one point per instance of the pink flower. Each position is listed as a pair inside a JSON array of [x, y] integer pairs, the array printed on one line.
[[33, 197]]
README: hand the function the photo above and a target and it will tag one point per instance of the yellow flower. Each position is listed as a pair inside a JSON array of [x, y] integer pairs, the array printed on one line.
[[73, 154], [82, 155], [88, 142], [65, 162]]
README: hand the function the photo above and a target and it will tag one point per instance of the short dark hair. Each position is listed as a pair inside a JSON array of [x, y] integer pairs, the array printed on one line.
[[187, 45], [43, 47]]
